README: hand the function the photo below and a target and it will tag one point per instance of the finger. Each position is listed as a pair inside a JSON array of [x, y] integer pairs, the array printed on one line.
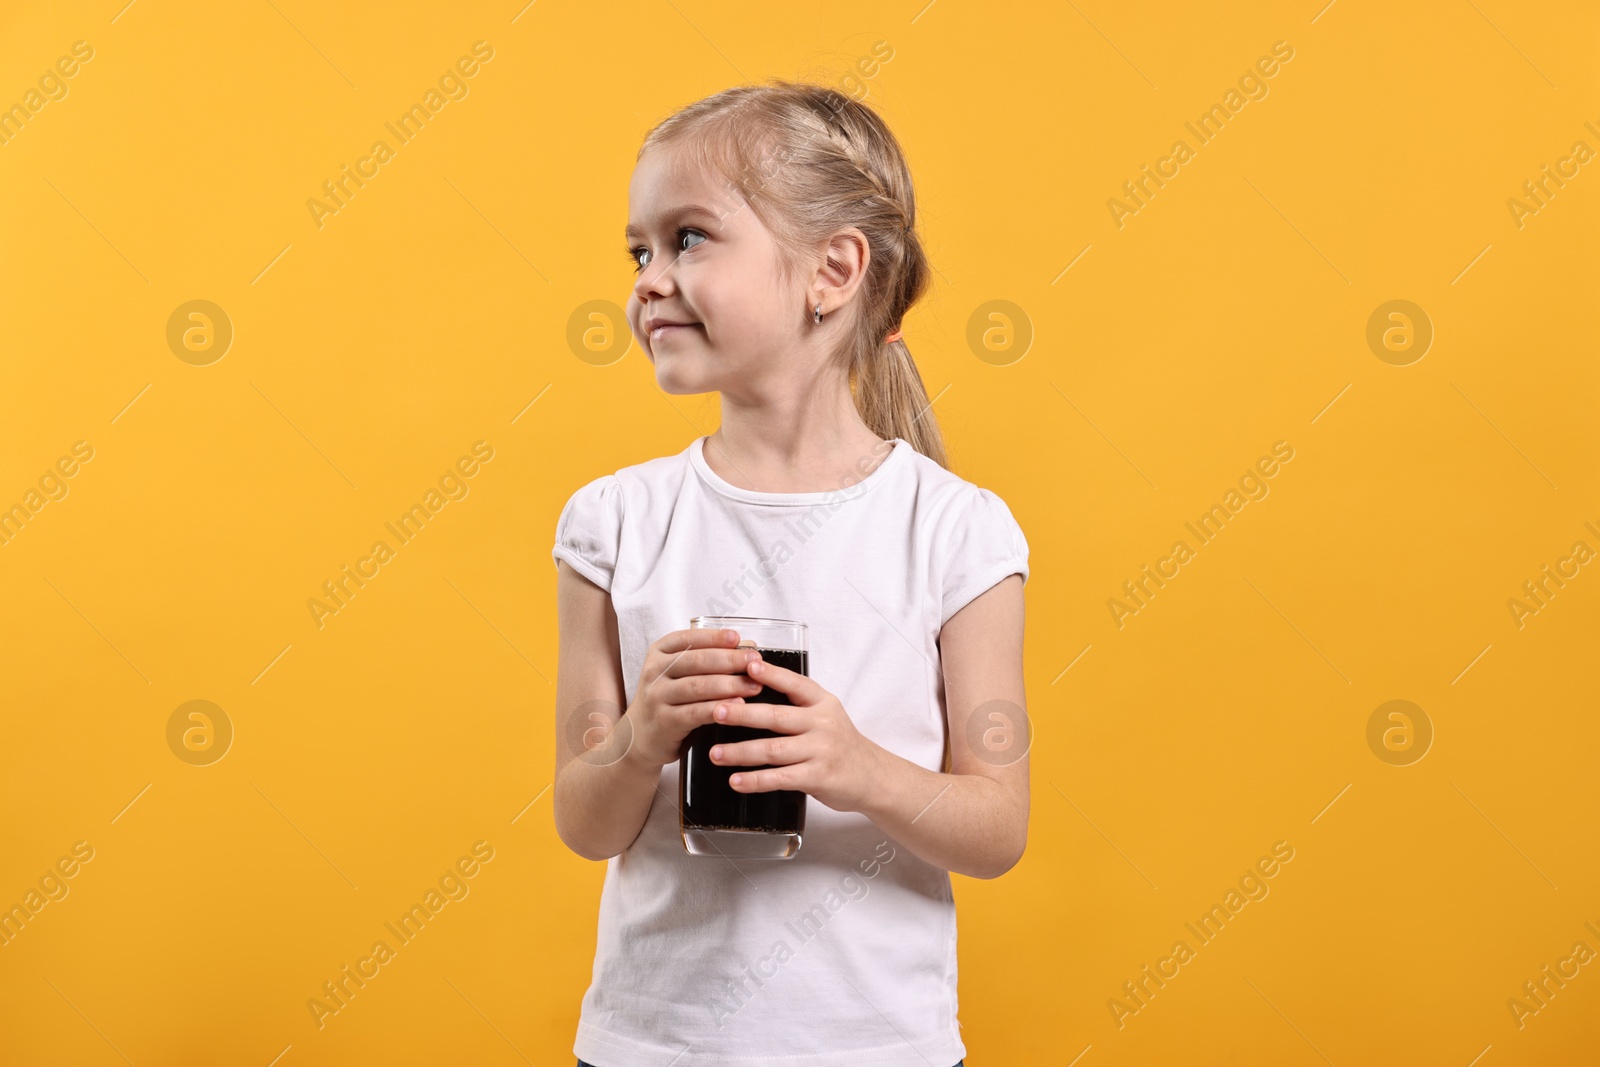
[[679, 642], [711, 661], [688, 716], [782, 718], [696, 637], [758, 752], [792, 684], [763, 781], [695, 688]]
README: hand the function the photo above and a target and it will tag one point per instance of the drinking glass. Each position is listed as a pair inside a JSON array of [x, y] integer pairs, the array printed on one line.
[[714, 818]]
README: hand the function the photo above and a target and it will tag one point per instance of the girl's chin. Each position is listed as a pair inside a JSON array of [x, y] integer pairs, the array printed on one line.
[[677, 385], [675, 379]]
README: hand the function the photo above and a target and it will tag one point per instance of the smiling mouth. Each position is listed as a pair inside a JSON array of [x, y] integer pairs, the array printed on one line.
[[667, 331]]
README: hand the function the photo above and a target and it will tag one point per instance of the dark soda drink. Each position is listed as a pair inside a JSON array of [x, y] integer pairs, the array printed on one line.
[[717, 819]]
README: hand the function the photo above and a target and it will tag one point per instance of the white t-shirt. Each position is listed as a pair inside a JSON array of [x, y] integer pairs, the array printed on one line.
[[845, 953]]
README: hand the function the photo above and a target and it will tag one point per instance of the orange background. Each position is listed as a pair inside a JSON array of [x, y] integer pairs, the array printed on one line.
[[1109, 405]]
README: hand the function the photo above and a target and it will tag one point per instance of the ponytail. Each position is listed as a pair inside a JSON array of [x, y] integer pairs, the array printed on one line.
[[893, 402]]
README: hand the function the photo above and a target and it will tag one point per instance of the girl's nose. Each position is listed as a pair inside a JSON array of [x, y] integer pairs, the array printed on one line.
[[654, 282]]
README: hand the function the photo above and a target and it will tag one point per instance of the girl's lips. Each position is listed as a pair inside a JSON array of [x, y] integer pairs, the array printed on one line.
[[667, 331]]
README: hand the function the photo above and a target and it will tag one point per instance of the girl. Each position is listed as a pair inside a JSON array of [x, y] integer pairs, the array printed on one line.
[[771, 231]]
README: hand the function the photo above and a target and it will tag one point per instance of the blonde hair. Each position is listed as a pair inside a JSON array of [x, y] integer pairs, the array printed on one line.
[[809, 161]]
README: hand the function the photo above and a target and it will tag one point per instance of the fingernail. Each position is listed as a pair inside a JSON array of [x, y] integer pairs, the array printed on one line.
[[756, 665], [722, 711], [736, 779], [751, 657], [716, 752]]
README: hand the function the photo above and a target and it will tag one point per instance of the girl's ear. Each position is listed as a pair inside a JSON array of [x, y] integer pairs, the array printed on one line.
[[843, 269]]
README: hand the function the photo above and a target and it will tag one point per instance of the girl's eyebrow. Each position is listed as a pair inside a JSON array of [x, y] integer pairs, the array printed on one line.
[[691, 211]]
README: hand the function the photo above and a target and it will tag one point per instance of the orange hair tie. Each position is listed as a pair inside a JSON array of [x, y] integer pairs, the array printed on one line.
[[892, 338]]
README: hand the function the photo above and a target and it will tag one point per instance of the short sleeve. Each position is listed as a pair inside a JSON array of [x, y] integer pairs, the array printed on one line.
[[589, 530], [985, 545]]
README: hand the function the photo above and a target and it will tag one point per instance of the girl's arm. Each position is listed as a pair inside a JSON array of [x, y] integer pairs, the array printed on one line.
[[973, 821], [602, 800]]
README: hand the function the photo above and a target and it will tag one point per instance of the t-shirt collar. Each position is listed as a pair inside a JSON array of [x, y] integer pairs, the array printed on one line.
[[850, 491]]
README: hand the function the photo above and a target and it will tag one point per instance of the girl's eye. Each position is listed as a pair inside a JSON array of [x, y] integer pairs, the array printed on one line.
[[640, 256]]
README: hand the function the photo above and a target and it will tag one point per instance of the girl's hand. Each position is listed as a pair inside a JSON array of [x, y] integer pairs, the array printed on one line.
[[821, 753], [685, 674]]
